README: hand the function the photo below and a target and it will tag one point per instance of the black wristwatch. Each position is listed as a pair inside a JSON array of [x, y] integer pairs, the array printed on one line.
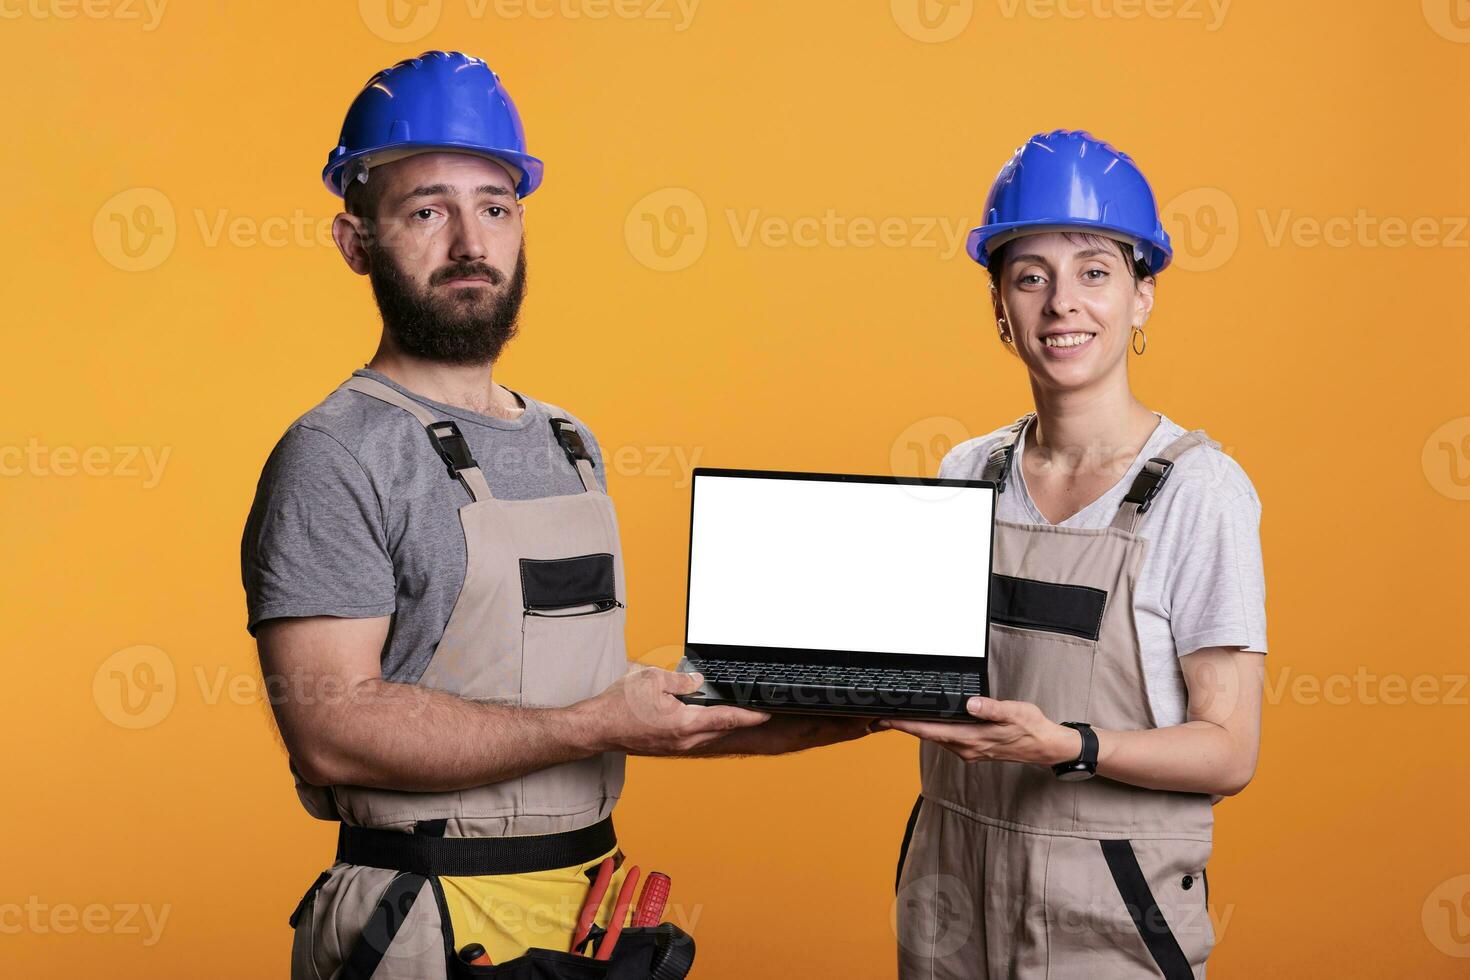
[[1085, 765]]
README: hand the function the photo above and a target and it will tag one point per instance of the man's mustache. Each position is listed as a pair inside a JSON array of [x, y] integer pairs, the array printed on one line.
[[495, 276]]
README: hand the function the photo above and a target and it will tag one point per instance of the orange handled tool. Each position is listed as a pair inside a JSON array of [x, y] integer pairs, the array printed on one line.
[[620, 912], [592, 903], [651, 903], [474, 954]]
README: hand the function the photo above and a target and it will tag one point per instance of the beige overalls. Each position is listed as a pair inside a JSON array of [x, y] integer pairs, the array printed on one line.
[[538, 622], [1010, 872]]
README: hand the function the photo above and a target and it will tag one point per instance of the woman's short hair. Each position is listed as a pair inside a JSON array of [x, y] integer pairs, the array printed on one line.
[[1137, 267]]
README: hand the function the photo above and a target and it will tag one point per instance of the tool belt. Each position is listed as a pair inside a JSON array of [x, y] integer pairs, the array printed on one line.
[[429, 855], [661, 952]]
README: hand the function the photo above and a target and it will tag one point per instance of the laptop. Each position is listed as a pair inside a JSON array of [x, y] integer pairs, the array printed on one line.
[[820, 593]]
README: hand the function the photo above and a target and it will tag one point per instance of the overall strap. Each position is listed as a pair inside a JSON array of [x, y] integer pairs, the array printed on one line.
[[1152, 477], [572, 444], [444, 435], [998, 464]]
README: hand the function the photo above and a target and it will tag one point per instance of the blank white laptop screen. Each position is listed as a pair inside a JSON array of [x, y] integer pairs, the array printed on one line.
[[835, 565]]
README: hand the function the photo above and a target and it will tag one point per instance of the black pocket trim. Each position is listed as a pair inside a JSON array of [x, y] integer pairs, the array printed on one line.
[[1076, 610], [377, 935], [316, 886], [1148, 919], [908, 838], [561, 582]]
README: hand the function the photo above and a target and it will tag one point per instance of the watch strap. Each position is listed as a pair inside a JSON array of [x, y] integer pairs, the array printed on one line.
[[1086, 760], [1089, 743]]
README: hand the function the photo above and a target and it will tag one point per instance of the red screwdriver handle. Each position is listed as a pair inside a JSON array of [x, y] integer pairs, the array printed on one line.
[[653, 900]]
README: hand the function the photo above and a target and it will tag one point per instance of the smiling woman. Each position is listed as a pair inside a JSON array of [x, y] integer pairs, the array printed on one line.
[[1109, 276], [1126, 632]]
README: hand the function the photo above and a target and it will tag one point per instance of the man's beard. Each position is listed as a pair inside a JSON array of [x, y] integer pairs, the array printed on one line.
[[466, 325]]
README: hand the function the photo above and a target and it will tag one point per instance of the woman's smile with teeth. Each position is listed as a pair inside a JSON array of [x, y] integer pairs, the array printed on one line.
[[1066, 339]]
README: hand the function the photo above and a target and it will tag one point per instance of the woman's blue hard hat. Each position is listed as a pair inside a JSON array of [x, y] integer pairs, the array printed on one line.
[[1067, 180]]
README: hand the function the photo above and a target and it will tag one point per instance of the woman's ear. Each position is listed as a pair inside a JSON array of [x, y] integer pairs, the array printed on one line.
[[1143, 300], [998, 307]]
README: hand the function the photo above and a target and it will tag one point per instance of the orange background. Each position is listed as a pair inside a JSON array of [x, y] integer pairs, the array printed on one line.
[[1335, 373]]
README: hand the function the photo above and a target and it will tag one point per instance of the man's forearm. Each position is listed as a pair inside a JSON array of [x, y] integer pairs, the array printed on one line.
[[785, 733], [405, 737]]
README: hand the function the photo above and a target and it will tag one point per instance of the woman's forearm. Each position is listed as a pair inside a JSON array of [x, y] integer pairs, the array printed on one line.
[[1195, 757]]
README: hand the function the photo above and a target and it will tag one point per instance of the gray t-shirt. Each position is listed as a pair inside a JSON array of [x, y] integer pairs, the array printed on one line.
[[356, 516], [1202, 583]]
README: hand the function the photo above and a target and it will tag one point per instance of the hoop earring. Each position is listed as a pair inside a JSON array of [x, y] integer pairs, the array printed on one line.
[[1005, 337], [1137, 333]]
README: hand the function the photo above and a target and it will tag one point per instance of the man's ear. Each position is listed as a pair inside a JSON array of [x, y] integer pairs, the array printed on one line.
[[350, 232]]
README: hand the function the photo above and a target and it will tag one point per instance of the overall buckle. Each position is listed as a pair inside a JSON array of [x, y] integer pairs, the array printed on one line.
[[1148, 483], [451, 447], [571, 441]]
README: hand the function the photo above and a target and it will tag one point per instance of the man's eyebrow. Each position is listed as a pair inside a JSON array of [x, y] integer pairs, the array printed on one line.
[[444, 190]]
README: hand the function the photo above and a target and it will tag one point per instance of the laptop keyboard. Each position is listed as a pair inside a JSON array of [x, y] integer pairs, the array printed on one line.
[[853, 678]]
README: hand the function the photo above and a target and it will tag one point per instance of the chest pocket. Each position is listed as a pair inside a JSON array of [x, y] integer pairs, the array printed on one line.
[[1051, 607], [1043, 638], [561, 583]]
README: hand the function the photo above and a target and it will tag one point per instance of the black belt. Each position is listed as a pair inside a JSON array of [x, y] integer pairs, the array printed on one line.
[[469, 857]]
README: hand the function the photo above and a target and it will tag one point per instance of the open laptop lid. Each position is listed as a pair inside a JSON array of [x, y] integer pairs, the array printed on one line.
[[840, 569]]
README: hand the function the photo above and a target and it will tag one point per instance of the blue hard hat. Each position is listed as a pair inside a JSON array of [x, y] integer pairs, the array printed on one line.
[[1068, 180], [441, 100]]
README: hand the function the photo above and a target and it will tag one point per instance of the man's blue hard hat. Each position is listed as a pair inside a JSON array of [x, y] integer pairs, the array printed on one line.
[[441, 100], [1067, 180]]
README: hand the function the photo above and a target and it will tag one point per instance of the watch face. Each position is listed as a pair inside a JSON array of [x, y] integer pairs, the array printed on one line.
[[1074, 775]]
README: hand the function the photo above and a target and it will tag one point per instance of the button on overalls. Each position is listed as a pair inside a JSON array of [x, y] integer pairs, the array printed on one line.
[[538, 622], [1010, 872]]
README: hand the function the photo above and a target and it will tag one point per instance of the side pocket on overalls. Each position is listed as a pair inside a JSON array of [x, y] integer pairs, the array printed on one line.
[[302, 922], [1159, 883], [371, 922]]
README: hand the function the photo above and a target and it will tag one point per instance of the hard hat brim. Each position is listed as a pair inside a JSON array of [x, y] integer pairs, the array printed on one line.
[[531, 168], [987, 237]]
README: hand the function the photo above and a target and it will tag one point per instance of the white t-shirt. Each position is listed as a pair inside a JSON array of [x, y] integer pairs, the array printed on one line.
[[1202, 583]]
